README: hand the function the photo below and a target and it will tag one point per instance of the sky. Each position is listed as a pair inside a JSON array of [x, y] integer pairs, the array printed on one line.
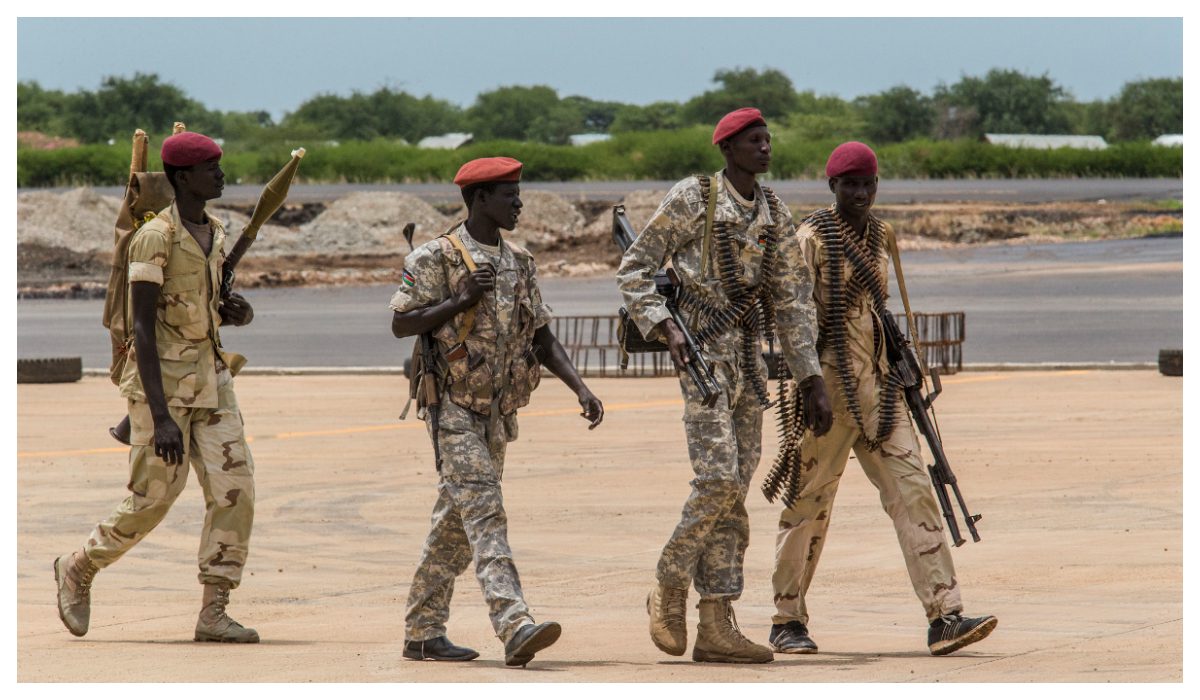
[[277, 64]]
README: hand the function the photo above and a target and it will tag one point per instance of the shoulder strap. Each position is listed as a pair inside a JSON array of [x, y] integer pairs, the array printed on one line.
[[710, 209], [469, 317], [912, 326]]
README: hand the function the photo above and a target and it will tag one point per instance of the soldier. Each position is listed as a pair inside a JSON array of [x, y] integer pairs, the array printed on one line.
[[870, 418], [181, 402], [742, 275], [477, 295]]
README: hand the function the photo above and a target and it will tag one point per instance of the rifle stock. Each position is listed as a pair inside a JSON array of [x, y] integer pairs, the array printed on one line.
[[904, 362], [666, 283]]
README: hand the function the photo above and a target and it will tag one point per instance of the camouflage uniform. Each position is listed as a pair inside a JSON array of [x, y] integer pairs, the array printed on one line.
[[198, 387], [488, 377], [896, 469], [708, 545]]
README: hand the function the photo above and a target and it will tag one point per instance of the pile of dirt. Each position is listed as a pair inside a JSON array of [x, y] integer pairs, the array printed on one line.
[[80, 220], [363, 223], [65, 239]]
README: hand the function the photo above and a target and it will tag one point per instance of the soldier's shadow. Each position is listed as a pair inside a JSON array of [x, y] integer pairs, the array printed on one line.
[[189, 642], [551, 666]]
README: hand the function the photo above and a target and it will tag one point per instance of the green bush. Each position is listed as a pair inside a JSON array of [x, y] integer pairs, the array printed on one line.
[[657, 155]]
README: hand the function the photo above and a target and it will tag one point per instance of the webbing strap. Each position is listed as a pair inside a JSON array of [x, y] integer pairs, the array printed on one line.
[[912, 326], [469, 317], [706, 244]]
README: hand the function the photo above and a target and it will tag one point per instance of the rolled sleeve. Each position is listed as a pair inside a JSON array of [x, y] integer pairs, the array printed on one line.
[[542, 313], [147, 255], [423, 281]]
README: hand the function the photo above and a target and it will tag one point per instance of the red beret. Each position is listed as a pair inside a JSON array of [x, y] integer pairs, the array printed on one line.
[[189, 148], [737, 120], [852, 158], [498, 169]]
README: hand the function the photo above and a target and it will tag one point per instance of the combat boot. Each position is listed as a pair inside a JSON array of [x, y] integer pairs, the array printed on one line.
[[719, 639], [73, 574], [529, 640], [668, 618], [214, 625]]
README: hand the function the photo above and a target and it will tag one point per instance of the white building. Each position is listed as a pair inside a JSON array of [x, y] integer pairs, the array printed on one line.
[[1047, 141], [451, 141]]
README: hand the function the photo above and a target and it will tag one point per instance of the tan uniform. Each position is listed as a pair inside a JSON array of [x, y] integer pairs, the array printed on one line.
[[896, 468], [198, 387], [708, 545], [491, 374]]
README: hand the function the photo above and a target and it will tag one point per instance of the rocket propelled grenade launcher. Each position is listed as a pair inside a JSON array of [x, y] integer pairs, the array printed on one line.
[[904, 361], [666, 283], [272, 197]]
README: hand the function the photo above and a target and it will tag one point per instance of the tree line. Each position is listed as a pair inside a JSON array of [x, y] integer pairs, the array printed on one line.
[[1001, 101]]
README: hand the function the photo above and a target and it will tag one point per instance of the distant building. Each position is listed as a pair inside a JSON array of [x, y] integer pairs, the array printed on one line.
[[1169, 140], [450, 141], [1047, 141], [585, 139]]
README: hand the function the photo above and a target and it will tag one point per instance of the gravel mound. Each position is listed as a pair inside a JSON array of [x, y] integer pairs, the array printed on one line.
[[79, 220], [366, 223]]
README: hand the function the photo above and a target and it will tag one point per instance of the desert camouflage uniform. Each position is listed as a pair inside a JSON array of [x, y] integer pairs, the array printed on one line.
[[488, 380], [897, 469], [198, 387], [725, 441]]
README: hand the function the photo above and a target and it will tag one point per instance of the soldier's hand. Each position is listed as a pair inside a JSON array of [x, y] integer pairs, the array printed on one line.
[[818, 416], [235, 310], [482, 280], [593, 410], [168, 441], [676, 343]]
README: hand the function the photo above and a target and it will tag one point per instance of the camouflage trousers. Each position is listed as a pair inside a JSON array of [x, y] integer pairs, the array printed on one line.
[[469, 524], [708, 545], [898, 472], [215, 445]]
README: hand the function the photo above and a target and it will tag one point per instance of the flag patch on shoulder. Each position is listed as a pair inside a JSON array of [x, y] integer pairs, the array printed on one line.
[[407, 278]]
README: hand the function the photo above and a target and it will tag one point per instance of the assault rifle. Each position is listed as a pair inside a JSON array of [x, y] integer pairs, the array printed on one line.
[[426, 374], [904, 362], [666, 283]]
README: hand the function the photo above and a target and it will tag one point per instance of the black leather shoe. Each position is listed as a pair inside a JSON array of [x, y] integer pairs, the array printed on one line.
[[952, 632], [437, 649], [791, 638], [529, 640]]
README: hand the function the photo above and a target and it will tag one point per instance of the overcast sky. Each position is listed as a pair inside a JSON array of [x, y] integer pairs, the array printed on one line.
[[276, 64]]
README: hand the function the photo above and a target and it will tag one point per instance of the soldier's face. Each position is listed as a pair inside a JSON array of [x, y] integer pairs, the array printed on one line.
[[502, 205], [205, 180], [750, 150], [855, 194]]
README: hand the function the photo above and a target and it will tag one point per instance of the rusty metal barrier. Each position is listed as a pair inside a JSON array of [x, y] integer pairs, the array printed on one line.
[[591, 343], [942, 336]]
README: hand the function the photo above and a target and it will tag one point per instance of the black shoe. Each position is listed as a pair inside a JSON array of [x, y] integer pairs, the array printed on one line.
[[528, 641], [437, 649], [791, 638], [949, 633]]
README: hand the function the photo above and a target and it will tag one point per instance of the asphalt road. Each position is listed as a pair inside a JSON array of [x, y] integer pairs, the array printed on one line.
[[1104, 301], [890, 191]]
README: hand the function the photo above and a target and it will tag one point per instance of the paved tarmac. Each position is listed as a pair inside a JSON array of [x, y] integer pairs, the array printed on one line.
[[1103, 301], [1081, 555]]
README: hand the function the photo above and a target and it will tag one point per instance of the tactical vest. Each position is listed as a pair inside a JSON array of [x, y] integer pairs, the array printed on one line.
[[474, 346]]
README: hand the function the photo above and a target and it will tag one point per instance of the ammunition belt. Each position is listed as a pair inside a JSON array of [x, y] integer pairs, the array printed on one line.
[[842, 244], [750, 309]]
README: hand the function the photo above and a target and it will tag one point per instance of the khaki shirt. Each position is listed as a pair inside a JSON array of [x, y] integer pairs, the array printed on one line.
[[186, 324], [864, 332], [675, 234], [496, 359]]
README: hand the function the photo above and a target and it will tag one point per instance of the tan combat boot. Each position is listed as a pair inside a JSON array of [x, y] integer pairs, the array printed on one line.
[[214, 625], [668, 619], [73, 574], [719, 639]]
